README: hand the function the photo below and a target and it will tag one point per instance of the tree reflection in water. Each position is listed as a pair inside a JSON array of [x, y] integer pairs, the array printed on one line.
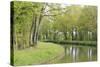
[[79, 53]]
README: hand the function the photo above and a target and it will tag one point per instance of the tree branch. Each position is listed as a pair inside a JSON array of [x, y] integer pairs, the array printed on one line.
[[49, 15]]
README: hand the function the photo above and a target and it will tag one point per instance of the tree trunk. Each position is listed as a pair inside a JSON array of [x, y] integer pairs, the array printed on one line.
[[32, 31], [65, 35], [35, 29], [38, 25]]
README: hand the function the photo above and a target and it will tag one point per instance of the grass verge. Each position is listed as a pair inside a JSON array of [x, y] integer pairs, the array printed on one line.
[[42, 53]]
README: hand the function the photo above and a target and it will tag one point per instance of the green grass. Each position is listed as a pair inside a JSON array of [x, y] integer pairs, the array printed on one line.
[[42, 53]]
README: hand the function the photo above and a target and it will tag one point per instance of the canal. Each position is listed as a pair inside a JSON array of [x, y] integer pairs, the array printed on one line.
[[77, 53]]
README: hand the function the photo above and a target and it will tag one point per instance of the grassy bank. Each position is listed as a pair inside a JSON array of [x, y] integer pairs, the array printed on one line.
[[42, 53]]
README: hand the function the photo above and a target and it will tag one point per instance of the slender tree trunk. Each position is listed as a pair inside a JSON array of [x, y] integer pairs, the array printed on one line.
[[32, 31], [80, 38], [72, 36], [65, 35], [35, 37], [38, 25], [35, 28]]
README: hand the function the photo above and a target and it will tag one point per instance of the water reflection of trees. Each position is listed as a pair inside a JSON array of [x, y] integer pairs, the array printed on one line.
[[77, 53]]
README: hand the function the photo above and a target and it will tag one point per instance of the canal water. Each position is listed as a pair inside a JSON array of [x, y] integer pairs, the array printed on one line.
[[74, 53]]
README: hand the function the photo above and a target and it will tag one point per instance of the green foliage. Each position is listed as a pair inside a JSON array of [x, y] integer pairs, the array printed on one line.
[[88, 18], [68, 18], [24, 13], [55, 19]]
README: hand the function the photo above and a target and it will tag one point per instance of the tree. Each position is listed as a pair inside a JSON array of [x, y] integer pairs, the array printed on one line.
[[88, 21], [22, 13]]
